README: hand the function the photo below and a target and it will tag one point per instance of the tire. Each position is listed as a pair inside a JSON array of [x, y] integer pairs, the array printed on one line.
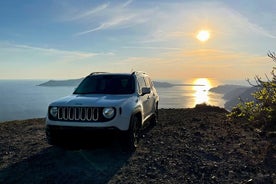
[[51, 137], [154, 118], [132, 136]]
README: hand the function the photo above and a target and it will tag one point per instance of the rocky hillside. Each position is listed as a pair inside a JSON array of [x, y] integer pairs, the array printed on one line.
[[233, 94], [196, 145]]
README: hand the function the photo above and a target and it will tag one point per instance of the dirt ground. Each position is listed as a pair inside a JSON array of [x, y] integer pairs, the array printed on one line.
[[197, 145]]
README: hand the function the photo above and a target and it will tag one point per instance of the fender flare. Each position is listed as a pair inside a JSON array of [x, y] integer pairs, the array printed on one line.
[[137, 111]]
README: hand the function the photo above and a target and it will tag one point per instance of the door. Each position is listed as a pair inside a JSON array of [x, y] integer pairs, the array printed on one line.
[[144, 98], [151, 97]]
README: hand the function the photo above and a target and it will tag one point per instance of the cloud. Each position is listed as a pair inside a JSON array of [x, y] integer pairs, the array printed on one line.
[[212, 54], [118, 21], [56, 51], [151, 48], [63, 55], [242, 23], [127, 3], [113, 16], [91, 12], [174, 21], [261, 31], [217, 57]]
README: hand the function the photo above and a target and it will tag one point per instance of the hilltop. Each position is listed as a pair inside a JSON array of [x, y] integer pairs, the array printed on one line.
[[197, 145]]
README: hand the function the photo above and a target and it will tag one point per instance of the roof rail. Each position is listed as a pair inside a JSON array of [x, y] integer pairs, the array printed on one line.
[[94, 73], [138, 72]]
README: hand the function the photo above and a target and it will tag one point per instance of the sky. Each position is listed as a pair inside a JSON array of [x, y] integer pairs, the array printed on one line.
[[62, 39]]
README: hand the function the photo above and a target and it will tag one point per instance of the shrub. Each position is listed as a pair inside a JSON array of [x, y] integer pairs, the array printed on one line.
[[261, 111]]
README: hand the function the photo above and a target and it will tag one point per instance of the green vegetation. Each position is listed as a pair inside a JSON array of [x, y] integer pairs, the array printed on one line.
[[261, 111]]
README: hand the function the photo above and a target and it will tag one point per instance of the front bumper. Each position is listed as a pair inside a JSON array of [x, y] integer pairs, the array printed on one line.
[[71, 134], [82, 130]]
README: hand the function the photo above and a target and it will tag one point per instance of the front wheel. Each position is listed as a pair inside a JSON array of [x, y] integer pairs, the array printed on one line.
[[132, 136], [51, 137]]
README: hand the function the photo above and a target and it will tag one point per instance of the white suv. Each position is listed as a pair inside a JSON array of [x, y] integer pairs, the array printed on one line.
[[105, 101]]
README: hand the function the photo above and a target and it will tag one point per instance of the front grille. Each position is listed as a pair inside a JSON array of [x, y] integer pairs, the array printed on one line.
[[86, 114]]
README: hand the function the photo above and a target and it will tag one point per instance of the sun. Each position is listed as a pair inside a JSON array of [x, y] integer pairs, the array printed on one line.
[[203, 35], [203, 84]]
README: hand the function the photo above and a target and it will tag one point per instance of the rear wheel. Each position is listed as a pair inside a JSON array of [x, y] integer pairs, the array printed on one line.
[[154, 119]]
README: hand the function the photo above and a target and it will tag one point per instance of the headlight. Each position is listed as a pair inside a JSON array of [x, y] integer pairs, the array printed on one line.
[[108, 112], [53, 111]]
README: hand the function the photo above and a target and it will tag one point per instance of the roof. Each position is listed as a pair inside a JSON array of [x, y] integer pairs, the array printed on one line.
[[108, 73]]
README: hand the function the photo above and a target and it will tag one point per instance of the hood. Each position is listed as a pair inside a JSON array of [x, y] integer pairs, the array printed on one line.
[[93, 100]]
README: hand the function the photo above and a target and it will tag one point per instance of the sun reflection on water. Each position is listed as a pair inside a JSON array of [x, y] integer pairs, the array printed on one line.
[[201, 87]]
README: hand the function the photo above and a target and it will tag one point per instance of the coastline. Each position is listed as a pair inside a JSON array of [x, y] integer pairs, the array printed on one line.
[[189, 145]]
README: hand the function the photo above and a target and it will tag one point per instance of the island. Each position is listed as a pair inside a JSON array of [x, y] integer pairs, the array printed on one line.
[[55, 83]]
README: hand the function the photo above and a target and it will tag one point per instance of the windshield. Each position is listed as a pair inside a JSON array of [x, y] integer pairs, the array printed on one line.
[[106, 84]]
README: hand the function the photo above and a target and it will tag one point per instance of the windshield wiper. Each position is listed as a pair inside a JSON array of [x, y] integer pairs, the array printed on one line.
[[82, 93]]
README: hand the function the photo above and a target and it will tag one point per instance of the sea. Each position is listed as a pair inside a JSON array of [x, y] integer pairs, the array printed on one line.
[[24, 99]]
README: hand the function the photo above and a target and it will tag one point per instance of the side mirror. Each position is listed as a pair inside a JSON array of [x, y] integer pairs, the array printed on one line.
[[145, 90]]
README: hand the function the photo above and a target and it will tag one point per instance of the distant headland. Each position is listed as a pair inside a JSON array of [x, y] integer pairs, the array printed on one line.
[[69, 82], [234, 94], [75, 82]]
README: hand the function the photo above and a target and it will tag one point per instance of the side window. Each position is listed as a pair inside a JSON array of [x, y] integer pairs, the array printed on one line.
[[148, 82], [141, 83]]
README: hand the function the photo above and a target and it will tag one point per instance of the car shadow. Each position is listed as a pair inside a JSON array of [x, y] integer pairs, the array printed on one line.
[[74, 163]]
